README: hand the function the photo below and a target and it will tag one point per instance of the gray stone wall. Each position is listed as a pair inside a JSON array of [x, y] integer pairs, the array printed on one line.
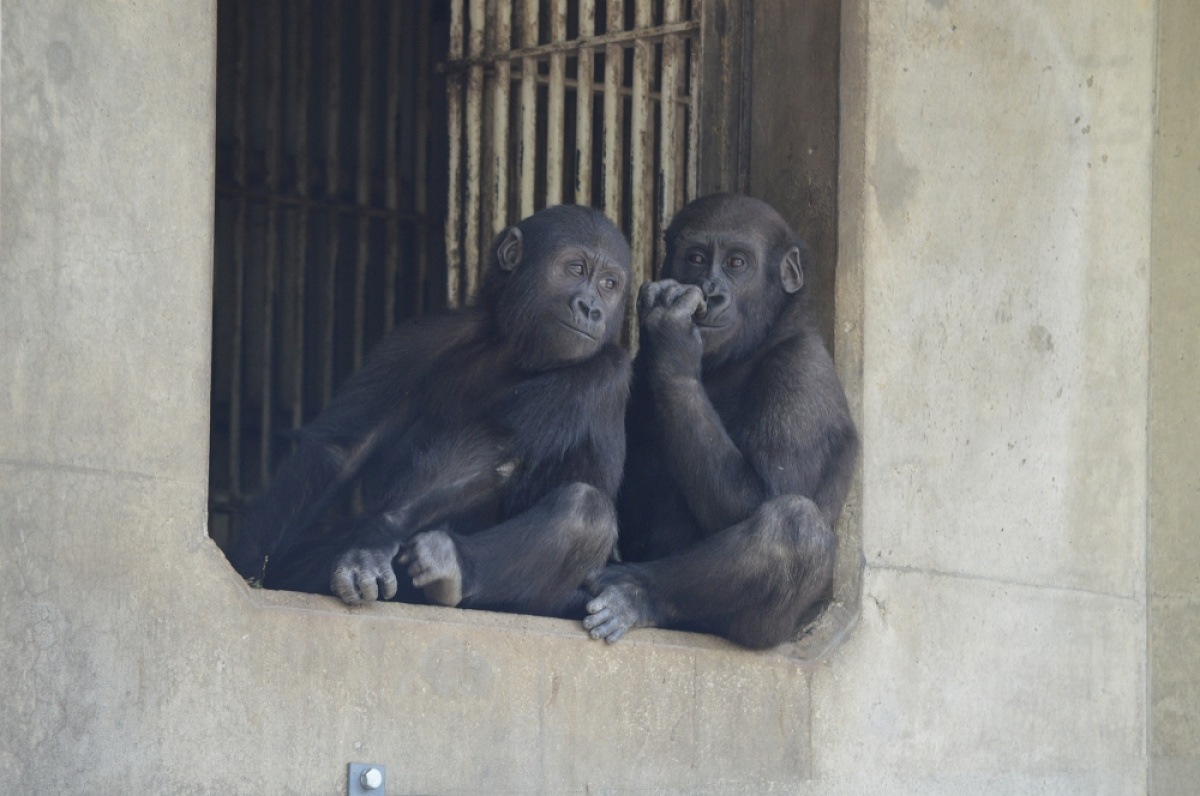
[[1010, 235]]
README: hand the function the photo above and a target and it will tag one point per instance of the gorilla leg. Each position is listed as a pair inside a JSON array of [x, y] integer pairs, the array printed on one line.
[[532, 563], [750, 583]]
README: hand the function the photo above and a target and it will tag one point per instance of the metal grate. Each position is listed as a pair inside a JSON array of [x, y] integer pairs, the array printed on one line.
[[583, 101], [330, 199]]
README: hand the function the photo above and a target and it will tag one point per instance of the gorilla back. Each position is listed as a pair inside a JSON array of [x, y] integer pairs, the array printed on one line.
[[488, 440], [741, 446]]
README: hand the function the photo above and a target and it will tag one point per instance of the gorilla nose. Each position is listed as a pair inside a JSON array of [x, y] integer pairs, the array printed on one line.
[[588, 311], [716, 301]]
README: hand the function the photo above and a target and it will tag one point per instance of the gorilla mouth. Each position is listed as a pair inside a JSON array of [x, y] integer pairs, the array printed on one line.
[[579, 331]]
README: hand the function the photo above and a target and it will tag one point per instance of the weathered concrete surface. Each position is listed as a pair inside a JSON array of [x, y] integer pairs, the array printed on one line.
[[1174, 575], [993, 324]]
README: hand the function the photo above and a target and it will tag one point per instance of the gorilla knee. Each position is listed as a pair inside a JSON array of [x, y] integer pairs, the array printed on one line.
[[593, 519], [795, 526]]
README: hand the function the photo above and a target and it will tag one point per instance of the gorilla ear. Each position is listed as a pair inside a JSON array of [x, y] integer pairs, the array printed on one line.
[[791, 271], [508, 251]]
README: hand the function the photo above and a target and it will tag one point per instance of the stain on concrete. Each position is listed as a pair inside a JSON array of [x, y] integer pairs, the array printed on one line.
[[60, 62], [1040, 339], [454, 671], [895, 178]]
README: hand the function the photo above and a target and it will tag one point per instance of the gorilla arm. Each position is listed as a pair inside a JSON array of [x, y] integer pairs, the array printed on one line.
[[720, 486]]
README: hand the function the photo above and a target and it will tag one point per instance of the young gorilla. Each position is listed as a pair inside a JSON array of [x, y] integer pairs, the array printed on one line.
[[741, 446], [489, 441]]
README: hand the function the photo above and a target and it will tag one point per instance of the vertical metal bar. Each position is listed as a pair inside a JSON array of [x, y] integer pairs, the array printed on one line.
[[474, 143], [454, 117], [693, 153], [303, 56], [422, 153], [641, 221], [274, 111], [500, 103], [583, 106], [239, 254], [667, 142], [392, 176], [555, 127], [528, 154], [362, 191], [332, 118], [613, 62]]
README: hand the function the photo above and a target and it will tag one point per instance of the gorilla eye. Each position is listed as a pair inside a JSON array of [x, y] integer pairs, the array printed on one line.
[[609, 283], [696, 259], [736, 262], [575, 268]]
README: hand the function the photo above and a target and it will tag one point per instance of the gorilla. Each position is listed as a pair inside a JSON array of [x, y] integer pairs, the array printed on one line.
[[488, 442], [740, 443]]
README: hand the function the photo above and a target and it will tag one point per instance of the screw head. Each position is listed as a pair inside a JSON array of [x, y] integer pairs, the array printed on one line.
[[371, 779]]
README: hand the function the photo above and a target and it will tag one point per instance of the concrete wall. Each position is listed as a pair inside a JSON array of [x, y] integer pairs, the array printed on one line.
[[994, 283]]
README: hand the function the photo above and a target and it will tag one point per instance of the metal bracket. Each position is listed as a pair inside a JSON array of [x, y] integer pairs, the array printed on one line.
[[366, 779]]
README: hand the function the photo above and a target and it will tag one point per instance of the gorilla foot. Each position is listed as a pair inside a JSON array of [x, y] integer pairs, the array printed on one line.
[[433, 565], [364, 575], [620, 604]]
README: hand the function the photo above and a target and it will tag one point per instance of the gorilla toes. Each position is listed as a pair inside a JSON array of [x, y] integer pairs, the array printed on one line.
[[619, 605], [433, 566], [365, 575]]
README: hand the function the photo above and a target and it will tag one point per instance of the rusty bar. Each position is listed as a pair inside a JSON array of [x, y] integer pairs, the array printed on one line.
[[555, 106], [668, 142], [239, 255], [613, 61], [693, 129], [527, 157], [422, 153], [584, 97], [475, 41], [274, 111], [641, 237], [332, 116], [363, 178], [650, 34], [501, 85], [303, 55], [391, 166], [454, 126]]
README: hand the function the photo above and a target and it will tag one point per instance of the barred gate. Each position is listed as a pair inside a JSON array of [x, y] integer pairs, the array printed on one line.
[[557, 101]]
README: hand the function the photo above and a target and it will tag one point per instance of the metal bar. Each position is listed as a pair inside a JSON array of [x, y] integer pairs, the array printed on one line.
[[693, 154], [274, 110], [584, 97], [668, 142], [527, 156], [474, 142], [391, 167], [310, 203], [500, 102], [613, 61], [242, 36], [302, 51], [332, 116], [454, 125], [641, 135], [422, 151], [648, 33], [555, 107], [363, 178]]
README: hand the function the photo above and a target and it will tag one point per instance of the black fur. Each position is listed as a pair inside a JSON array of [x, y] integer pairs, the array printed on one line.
[[489, 440], [741, 446]]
